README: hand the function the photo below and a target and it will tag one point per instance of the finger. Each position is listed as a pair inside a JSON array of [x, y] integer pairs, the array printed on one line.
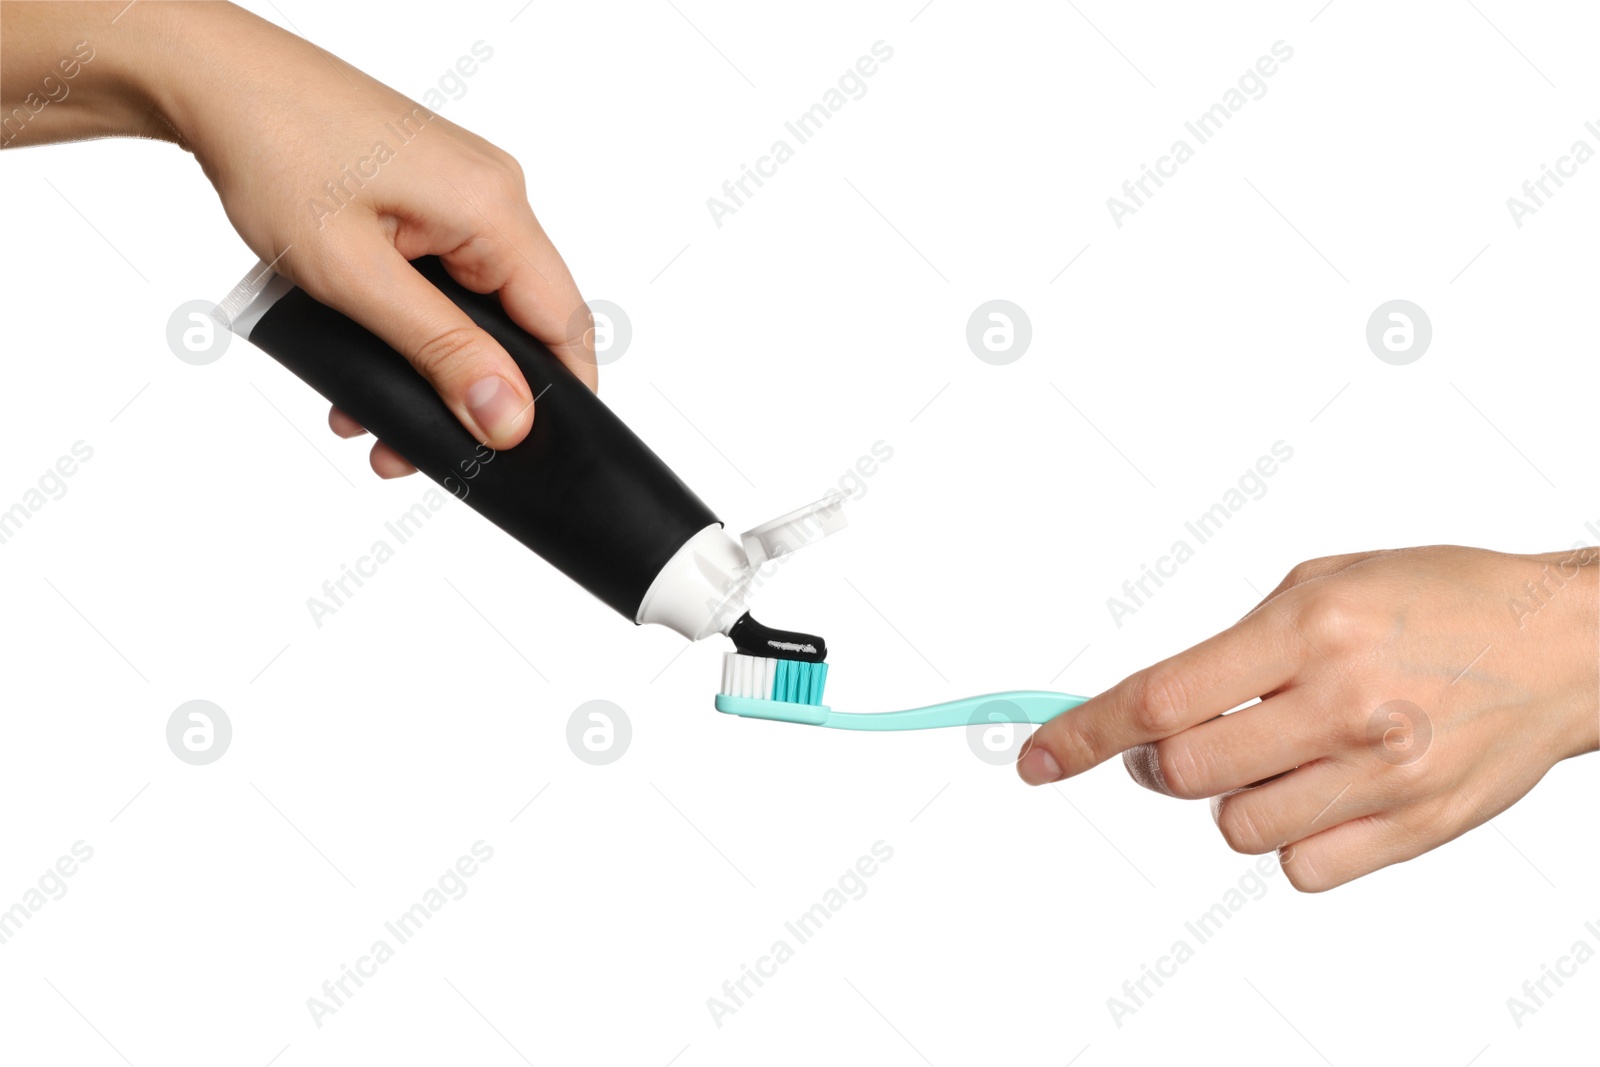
[[520, 264], [1234, 751], [1358, 847], [1256, 655], [471, 372], [343, 424], [1305, 802], [549, 307], [388, 463]]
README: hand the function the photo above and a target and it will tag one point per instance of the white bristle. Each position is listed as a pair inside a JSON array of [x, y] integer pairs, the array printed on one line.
[[748, 676]]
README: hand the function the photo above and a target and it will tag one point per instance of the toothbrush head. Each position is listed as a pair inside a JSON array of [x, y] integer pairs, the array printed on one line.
[[774, 674]]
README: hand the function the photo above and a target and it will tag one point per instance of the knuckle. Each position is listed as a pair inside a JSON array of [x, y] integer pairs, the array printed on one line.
[[1351, 721], [1410, 780], [1397, 733], [444, 354], [1179, 768], [1302, 873], [507, 171], [1157, 702], [1437, 818], [486, 180], [1072, 749], [1332, 622], [1302, 572], [1240, 828], [514, 169]]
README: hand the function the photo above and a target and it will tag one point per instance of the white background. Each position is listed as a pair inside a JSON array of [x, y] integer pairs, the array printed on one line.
[[828, 314]]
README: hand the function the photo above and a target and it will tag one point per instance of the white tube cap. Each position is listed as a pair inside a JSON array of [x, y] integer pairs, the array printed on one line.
[[793, 531]]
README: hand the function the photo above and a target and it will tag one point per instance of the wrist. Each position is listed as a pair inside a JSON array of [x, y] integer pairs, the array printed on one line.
[[164, 63], [113, 69], [77, 70], [1573, 576]]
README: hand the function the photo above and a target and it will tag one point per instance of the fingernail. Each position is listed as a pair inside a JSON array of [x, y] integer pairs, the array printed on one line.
[[495, 407], [1037, 766]]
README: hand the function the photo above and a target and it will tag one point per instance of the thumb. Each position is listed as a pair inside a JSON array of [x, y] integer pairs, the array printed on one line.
[[473, 374]]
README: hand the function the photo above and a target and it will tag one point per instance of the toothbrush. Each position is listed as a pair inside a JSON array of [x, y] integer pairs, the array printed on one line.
[[790, 690]]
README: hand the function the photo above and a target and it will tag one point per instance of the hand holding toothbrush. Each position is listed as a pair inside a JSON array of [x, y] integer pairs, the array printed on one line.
[[1406, 697]]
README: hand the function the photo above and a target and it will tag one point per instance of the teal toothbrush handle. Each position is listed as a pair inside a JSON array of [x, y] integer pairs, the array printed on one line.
[[1031, 706], [1019, 706]]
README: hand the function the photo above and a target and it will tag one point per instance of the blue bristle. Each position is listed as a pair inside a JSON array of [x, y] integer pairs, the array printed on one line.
[[807, 680], [797, 682]]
